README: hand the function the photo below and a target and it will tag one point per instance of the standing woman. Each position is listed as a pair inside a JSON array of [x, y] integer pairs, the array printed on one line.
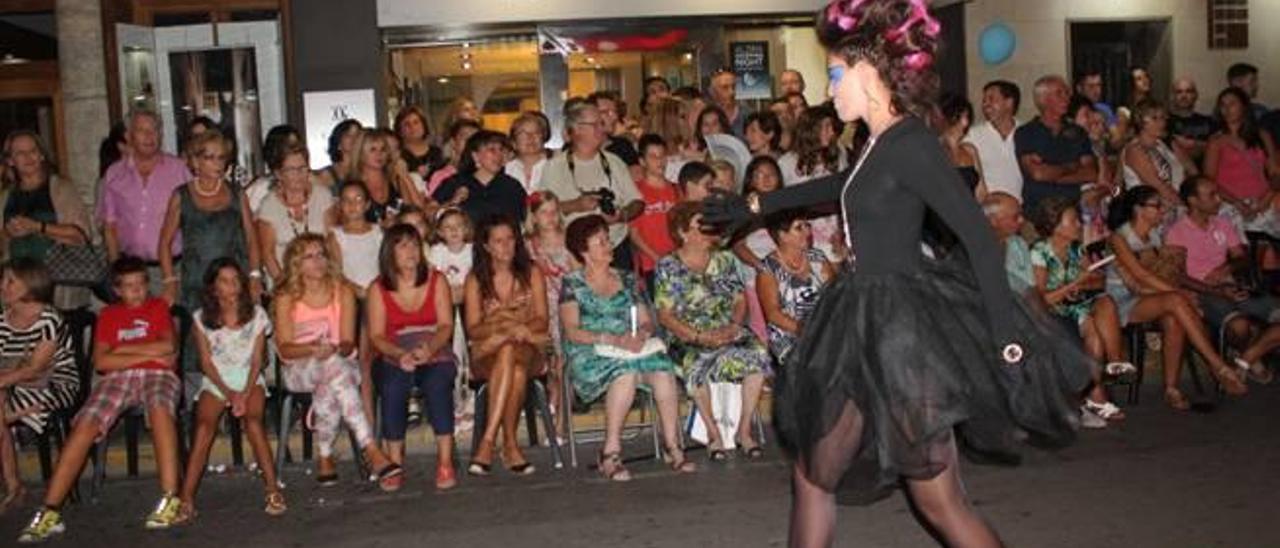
[[214, 219], [507, 323], [529, 133], [298, 206], [420, 156], [342, 154], [40, 209], [883, 395], [388, 189], [957, 116]]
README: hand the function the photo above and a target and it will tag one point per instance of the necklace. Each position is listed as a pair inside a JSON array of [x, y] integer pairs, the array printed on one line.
[[217, 187]]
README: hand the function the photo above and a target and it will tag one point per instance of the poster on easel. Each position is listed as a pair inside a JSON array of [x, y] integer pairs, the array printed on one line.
[[323, 110]]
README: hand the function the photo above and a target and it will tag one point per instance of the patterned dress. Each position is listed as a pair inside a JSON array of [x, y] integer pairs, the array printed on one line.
[[705, 301], [798, 295], [592, 373], [58, 389], [1061, 273], [554, 264]]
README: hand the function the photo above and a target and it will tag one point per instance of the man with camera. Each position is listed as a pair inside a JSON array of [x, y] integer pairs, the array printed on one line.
[[589, 180]]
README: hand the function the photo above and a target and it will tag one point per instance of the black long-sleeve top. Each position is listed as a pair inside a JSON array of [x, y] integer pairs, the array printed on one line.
[[903, 176]]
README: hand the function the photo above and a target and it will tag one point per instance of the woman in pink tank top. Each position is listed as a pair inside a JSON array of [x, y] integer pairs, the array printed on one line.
[[315, 317], [1242, 160]]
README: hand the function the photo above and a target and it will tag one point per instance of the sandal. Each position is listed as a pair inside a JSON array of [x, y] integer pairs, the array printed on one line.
[[275, 504], [1229, 381], [1105, 410], [477, 468], [389, 477], [678, 465], [752, 452], [1175, 399], [522, 469], [1256, 372], [717, 454], [327, 480], [610, 466], [186, 513], [1120, 369]]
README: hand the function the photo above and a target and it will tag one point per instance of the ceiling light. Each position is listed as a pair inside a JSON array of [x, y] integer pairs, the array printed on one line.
[[442, 80], [11, 59], [591, 60], [466, 65]]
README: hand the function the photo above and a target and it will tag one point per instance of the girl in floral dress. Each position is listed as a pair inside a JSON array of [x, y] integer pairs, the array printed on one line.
[[545, 232]]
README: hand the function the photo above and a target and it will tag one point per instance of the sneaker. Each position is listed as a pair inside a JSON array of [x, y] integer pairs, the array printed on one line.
[[44, 525], [1088, 419], [166, 513]]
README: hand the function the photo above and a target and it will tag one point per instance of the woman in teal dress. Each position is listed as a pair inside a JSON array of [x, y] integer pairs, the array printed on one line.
[[601, 309], [701, 301]]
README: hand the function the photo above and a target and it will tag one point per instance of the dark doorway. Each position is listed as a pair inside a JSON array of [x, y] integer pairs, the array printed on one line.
[[1115, 46]]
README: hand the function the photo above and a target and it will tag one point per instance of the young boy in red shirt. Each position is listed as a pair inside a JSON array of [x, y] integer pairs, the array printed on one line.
[[649, 233], [134, 352]]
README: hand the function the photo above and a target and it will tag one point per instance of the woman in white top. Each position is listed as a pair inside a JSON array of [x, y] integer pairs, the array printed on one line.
[[298, 206], [530, 133], [1147, 160]]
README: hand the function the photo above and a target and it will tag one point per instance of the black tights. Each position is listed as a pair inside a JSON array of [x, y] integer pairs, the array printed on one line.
[[941, 501]]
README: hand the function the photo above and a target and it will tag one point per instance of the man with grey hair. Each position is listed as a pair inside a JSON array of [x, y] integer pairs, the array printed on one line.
[[579, 175], [1005, 214], [133, 195], [1055, 154], [724, 94]]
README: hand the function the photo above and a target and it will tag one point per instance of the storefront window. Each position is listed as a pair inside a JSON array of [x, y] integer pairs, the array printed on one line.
[[500, 77]]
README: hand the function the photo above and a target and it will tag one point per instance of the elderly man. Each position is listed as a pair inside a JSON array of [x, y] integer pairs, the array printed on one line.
[[1190, 129], [994, 138], [578, 175], [1055, 154], [610, 106], [790, 81], [724, 94], [1005, 214], [133, 196]]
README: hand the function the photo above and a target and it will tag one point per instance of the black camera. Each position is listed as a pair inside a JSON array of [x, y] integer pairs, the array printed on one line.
[[606, 200]]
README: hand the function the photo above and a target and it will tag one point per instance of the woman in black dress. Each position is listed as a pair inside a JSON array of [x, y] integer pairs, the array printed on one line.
[[907, 358]]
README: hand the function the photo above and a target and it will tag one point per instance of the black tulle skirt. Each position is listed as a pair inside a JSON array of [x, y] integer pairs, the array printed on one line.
[[914, 355]]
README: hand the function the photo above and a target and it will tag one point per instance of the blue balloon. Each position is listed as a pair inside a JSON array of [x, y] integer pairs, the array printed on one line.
[[996, 43]]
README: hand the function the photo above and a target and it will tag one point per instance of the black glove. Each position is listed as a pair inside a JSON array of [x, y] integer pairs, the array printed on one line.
[[726, 212]]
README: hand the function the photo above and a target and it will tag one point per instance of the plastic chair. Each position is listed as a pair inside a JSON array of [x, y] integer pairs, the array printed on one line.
[[289, 399], [535, 402]]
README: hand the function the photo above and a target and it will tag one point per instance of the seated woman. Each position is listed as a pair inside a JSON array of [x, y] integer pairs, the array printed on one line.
[[410, 319], [505, 306], [790, 279], [601, 306], [315, 319], [1142, 295], [1076, 297], [37, 365], [230, 334], [701, 302]]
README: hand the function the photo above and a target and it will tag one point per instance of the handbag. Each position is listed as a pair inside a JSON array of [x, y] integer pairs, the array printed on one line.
[[77, 265], [652, 346]]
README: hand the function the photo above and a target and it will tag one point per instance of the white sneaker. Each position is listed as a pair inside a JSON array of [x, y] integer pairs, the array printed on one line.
[[1090, 420]]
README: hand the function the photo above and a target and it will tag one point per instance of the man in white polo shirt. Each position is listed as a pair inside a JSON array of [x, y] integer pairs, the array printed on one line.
[[994, 138]]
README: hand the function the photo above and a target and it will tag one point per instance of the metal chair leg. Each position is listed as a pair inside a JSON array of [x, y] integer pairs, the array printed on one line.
[[131, 427], [99, 467], [481, 417], [655, 424], [567, 409], [544, 409], [282, 431]]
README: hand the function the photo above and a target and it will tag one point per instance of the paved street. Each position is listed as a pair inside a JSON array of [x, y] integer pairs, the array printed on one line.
[[1161, 480]]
